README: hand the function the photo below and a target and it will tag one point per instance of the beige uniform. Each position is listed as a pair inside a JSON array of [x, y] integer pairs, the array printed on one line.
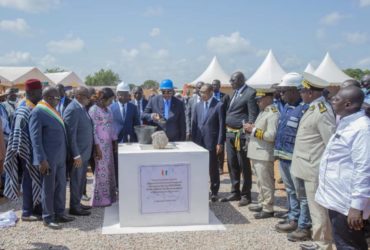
[[314, 131], [261, 153]]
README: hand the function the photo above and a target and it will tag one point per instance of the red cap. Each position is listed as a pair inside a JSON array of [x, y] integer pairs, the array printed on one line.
[[31, 84]]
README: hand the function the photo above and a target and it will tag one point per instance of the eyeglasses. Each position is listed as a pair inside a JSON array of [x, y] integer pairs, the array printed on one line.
[[166, 92], [57, 98]]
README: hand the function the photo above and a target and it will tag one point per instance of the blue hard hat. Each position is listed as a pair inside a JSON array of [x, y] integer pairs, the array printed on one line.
[[166, 84]]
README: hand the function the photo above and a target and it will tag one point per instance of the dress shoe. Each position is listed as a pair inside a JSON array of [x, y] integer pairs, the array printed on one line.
[[308, 246], [64, 218], [263, 215], [255, 208], [31, 218], [244, 201], [52, 225], [281, 214], [300, 234], [283, 221], [214, 197], [232, 197], [286, 227], [79, 212], [84, 207]]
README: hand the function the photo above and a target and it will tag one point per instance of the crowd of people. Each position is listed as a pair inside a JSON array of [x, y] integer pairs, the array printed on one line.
[[321, 145]]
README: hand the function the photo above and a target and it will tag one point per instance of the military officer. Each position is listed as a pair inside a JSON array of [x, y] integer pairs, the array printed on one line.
[[261, 151], [314, 131]]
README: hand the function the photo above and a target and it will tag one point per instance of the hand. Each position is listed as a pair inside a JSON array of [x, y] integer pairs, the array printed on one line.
[[248, 127], [354, 219], [115, 146], [219, 149], [98, 154], [156, 117], [77, 163], [44, 167]]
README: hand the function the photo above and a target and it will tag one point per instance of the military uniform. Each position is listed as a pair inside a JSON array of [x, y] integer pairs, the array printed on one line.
[[260, 151], [314, 131]]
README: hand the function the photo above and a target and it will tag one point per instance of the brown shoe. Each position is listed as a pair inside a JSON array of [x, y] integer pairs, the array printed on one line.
[[286, 227], [300, 234]]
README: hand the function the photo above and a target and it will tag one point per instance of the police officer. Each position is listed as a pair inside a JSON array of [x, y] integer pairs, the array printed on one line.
[[298, 223], [261, 151], [314, 131]]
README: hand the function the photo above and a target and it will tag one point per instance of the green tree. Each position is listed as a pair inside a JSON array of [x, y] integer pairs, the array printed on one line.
[[149, 84], [356, 73], [103, 78], [131, 85], [54, 70]]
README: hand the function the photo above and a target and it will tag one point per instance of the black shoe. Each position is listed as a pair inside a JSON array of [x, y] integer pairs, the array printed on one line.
[[84, 207], [255, 208], [31, 218], [64, 218], [263, 215], [284, 221], [214, 197], [52, 225], [232, 197], [244, 201], [79, 212], [281, 214]]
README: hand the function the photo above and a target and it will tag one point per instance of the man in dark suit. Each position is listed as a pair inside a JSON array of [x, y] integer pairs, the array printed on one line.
[[242, 108], [139, 101], [208, 131], [64, 100], [190, 107], [80, 137], [49, 145], [225, 99], [167, 112]]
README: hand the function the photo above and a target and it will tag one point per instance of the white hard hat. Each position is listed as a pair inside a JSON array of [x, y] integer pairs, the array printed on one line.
[[291, 79], [123, 87]]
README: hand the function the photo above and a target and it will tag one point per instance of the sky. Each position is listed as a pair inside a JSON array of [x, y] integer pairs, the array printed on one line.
[[160, 39]]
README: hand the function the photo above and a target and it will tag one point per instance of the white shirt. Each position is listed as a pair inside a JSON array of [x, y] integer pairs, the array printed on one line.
[[344, 178], [121, 107]]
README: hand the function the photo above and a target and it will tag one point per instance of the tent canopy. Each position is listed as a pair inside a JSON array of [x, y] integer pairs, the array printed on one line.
[[309, 69], [330, 72], [5, 82], [214, 71], [270, 72], [66, 78], [19, 75]]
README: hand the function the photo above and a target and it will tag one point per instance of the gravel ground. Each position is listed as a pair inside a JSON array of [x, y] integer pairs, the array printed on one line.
[[242, 231]]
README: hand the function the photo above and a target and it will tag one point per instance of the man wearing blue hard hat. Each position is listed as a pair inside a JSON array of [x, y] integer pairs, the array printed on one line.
[[167, 112]]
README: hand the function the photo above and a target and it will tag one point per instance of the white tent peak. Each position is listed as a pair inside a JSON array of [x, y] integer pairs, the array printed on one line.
[[66, 78], [309, 69], [213, 71], [19, 75], [330, 72], [269, 73]]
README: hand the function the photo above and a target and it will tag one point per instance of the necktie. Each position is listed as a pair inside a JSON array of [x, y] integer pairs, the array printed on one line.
[[123, 112], [205, 111], [166, 109], [138, 108]]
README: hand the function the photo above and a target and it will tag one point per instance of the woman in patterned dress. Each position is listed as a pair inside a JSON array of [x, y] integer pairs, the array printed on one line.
[[105, 144]]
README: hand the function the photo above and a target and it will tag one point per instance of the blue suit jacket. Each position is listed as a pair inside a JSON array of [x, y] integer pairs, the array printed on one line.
[[210, 131], [48, 138], [144, 103], [125, 127], [79, 130], [175, 125]]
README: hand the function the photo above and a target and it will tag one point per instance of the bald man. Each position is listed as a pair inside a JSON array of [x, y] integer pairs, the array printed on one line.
[[80, 137], [344, 179]]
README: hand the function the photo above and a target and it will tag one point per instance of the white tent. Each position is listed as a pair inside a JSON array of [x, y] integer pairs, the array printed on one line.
[[309, 69], [4, 82], [330, 72], [66, 78], [270, 72], [19, 75], [214, 71]]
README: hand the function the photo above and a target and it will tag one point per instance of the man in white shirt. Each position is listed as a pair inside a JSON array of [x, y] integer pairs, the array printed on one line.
[[344, 180]]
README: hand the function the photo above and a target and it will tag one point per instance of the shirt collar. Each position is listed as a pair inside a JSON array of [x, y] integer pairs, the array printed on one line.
[[82, 106], [350, 118]]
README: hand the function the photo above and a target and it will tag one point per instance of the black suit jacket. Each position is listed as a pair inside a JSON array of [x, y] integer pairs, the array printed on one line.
[[244, 107], [175, 125], [210, 131]]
